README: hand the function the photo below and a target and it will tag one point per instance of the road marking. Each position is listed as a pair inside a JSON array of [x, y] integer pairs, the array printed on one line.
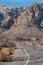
[[27, 56]]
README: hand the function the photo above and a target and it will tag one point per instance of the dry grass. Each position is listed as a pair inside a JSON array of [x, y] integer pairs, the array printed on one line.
[[5, 53]]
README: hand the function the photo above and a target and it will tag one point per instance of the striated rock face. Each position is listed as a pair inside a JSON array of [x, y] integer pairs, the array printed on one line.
[[30, 23], [8, 16], [22, 22]]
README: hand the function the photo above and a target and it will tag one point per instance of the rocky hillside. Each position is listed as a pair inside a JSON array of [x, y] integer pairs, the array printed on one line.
[[23, 23], [29, 23], [8, 16]]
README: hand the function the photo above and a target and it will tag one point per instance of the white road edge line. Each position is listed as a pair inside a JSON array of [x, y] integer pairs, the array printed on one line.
[[27, 56]]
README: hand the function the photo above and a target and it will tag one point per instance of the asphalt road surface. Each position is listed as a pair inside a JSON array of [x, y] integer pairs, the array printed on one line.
[[35, 54], [26, 55]]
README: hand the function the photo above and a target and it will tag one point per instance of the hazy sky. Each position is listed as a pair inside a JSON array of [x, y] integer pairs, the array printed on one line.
[[19, 3]]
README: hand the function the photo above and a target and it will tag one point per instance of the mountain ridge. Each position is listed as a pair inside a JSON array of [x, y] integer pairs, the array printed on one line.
[[21, 23]]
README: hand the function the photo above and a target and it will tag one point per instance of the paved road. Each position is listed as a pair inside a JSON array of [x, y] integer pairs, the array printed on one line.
[[19, 57], [35, 54]]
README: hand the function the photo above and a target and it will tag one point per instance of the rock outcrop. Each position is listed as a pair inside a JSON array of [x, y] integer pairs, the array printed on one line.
[[9, 15], [30, 23], [22, 23]]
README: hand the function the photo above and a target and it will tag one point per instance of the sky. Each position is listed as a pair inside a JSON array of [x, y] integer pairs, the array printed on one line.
[[19, 3]]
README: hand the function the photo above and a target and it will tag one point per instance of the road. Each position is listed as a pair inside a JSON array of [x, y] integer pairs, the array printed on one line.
[[35, 54], [26, 55]]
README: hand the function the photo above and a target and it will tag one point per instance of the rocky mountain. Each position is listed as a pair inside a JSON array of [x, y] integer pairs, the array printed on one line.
[[22, 23], [8, 16], [29, 23]]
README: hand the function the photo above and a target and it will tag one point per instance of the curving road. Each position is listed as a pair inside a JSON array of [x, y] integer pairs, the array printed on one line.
[[26, 55], [35, 54]]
